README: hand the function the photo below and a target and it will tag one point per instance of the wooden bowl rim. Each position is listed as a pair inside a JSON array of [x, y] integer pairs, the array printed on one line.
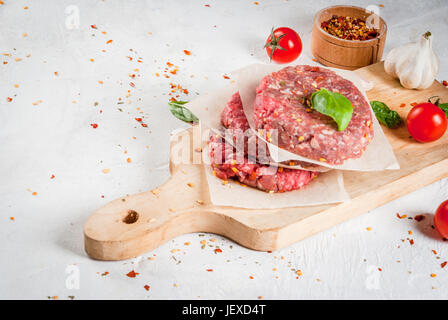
[[371, 41]]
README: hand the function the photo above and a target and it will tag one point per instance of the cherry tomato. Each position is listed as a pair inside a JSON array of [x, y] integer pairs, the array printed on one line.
[[426, 122], [441, 219], [283, 45]]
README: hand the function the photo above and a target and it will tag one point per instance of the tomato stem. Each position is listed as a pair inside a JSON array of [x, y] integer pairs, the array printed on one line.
[[274, 43]]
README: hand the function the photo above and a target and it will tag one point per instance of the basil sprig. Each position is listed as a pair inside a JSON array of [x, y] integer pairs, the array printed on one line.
[[386, 116], [182, 113], [444, 107], [334, 105]]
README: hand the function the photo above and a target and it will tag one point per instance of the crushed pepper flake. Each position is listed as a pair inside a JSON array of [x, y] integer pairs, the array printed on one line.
[[443, 264], [187, 52], [109, 41], [445, 83], [433, 275], [12, 219], [190, 184], [128, 160], [419, 217], [94, 125], [209, 270], [146, 287], [402, 216], [132, 274], [34, 193], [217, 250]]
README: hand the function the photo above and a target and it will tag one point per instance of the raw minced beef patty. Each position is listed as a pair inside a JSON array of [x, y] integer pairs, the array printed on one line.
[[234, 120], [224, 157], [282, 103]]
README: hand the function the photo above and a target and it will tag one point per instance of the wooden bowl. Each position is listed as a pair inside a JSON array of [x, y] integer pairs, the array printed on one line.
[[346, 54]]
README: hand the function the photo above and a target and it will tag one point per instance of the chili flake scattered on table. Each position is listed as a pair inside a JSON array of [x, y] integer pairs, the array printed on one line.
[[349, 28], [187, 52], [94, 125], [445, 83], [132, 274], [401, 217], [146, 287], [12, 219], [419, 217], [443, 264]]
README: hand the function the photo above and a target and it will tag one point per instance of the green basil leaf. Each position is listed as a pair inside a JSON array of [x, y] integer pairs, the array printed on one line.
[[385, 115], [182, 113], [444, 107], [334, 105]]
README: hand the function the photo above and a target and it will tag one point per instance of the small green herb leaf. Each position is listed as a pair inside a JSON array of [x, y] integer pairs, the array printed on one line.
[[386, 116], [182, 113], [444, 107], [334, 105]]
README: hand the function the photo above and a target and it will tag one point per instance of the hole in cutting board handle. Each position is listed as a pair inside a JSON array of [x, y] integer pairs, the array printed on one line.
[[131, 217]]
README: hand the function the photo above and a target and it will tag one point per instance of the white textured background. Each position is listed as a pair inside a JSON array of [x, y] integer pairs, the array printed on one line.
[[55, 137]]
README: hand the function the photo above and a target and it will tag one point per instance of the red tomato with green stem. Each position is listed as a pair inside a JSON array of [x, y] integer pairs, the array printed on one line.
[[426, 122], [441, 219], [283, 45]]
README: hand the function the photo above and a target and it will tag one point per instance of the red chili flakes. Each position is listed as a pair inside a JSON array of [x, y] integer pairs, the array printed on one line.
[[132, 84], [146, 287], [401, 217], [139, 119], [187, 52], [434, 251], [419, 217], [402, 105], [443, 264], [445, 83], [209, 270], [109, 41], [94, 125], [226, 77], [144, 125], [52, 176], [349, 28], [217, 250], [12, 219], [105, 273], [56, 73], [379, 269], [132, 274], [256, 3], [207, 5], [93, 26], [9, 99], [250, 277], [414, 104], [169, 64], [411, 241]]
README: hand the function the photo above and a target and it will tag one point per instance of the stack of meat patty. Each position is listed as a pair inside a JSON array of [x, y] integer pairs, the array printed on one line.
[[283, 104]]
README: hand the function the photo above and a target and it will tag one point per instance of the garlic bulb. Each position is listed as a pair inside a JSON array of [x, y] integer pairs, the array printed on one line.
[[415, 64]]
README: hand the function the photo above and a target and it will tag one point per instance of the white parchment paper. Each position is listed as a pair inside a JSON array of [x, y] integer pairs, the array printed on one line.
[[326, 188]]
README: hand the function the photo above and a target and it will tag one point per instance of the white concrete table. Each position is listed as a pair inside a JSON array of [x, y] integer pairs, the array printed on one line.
[[65, 76]]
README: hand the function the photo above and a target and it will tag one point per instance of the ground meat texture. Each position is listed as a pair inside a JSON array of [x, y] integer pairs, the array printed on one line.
[[282, 103], [225, 166], [234, 120]]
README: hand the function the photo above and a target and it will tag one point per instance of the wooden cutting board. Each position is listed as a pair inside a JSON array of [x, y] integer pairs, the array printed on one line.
[[133, 225]]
